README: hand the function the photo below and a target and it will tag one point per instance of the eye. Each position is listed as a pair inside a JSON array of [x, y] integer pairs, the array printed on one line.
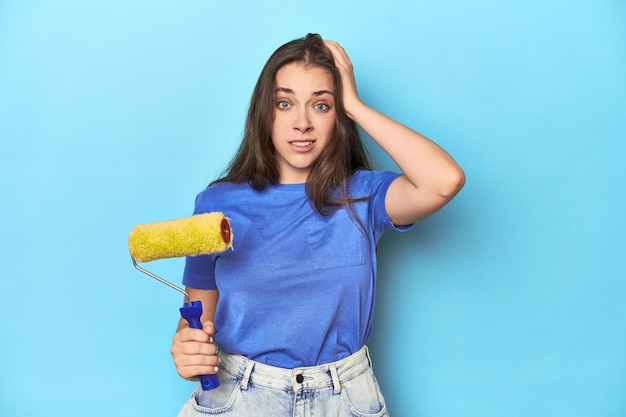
[[283, 104], [323, 107]]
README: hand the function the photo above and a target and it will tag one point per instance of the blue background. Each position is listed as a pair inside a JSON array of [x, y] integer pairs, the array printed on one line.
[[508, 302]]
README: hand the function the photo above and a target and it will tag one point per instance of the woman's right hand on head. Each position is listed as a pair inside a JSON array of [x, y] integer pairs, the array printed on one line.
[[346, 69], [194, 351]]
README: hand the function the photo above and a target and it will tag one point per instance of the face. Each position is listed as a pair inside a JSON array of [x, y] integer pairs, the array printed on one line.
[[304, 119]]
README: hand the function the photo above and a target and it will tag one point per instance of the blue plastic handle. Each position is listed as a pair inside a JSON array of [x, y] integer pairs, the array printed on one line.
[[192, 312]]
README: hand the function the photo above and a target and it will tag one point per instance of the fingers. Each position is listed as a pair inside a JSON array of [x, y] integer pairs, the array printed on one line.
[[193, 341], [339, 54], [342, 62], [194, 353], [189, 367], [209, 328]]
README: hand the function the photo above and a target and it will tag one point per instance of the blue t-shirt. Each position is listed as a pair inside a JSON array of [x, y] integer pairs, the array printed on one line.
[[298, 288]]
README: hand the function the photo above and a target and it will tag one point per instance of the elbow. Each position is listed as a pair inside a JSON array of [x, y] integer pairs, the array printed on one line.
[[453, 183]]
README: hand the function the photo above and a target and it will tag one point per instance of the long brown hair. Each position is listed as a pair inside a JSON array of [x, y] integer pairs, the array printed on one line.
[[255, 161]]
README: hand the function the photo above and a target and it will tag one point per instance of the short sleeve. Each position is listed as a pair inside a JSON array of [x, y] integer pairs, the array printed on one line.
[[199, 270], [375, 185]]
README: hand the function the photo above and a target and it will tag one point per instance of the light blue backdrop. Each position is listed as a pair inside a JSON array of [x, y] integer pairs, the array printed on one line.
[[509, 302]]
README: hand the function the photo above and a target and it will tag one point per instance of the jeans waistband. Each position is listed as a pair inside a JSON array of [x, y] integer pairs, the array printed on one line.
[[314, 377]]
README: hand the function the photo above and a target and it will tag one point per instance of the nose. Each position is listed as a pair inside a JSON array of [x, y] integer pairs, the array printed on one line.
[[302, 122]]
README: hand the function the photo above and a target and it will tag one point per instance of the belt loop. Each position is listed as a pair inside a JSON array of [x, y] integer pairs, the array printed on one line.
[[335, 377], [246, 374]]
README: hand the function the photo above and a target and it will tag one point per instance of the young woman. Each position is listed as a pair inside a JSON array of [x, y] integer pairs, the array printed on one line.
[[296, 295]]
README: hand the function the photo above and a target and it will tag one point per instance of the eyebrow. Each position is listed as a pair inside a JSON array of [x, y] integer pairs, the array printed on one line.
[[315, 93]]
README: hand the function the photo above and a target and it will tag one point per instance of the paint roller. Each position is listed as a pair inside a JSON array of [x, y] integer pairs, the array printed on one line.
[[201, 234]]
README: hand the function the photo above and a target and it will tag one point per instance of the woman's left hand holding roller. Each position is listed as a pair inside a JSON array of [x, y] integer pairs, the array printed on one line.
[[194, 350]]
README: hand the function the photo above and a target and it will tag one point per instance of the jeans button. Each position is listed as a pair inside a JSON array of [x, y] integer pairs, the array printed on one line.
[[299, 378]]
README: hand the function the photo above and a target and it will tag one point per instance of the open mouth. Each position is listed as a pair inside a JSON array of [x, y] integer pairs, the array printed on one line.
[[302, 143]]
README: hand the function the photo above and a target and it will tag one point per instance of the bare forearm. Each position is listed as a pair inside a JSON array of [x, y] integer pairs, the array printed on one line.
[[425, 164]]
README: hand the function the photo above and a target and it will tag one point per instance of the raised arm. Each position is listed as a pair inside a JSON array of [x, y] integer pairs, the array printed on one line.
[[430, 177]]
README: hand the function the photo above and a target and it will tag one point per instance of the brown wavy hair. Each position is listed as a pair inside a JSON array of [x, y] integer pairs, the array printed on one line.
[[255, 161]]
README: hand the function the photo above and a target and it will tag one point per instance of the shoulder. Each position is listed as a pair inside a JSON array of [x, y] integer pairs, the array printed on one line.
[[215, 195]]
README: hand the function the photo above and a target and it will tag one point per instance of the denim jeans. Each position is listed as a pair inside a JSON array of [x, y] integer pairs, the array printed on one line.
[[346, 388]]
